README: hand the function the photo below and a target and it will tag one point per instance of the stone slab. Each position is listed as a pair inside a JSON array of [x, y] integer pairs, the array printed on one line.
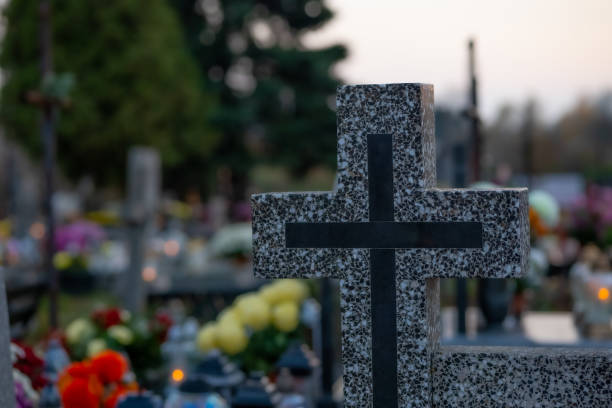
[[521, 377], [7, 387]]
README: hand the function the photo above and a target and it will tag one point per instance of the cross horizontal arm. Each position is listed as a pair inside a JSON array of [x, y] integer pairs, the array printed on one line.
[[505, 233], [384, 234], [271, 257]]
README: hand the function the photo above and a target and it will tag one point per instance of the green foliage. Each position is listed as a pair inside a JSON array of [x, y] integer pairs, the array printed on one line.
[[275, 94], [135, 84], [265, 348]]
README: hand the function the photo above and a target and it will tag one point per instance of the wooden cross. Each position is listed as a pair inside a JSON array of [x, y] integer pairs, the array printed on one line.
[[388, 234]]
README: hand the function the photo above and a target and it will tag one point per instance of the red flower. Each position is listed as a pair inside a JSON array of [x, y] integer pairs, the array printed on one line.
[[31, 365], [81, 393], [79, 370], [160, 325], [106, 318], [109, 366]]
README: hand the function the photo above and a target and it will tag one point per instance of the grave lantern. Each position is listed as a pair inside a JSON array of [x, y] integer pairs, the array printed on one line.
[[252, 394], [141, 400], [194, 392], [295, 369], [56, 359], [219, 373]]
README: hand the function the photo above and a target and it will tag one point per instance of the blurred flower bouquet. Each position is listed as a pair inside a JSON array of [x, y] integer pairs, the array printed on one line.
[[70, 263], [78, 237], [259, 326], [544, 214], [95, 383], [591, 219], [232, 242], [27, 375], [74, 243], [116, 329]]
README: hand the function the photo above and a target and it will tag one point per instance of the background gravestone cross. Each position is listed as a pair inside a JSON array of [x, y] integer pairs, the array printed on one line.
[[388, 235]]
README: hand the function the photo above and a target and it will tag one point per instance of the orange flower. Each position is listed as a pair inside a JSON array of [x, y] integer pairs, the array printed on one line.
[[75, 370], [536, 223], [109, 366], [82, 393]]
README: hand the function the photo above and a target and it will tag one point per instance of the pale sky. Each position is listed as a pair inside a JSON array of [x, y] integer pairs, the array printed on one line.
[[553, 50]]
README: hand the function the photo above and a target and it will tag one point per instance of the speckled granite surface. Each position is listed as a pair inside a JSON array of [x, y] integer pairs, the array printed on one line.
[[403, 112], [7, 387], [521, 377]]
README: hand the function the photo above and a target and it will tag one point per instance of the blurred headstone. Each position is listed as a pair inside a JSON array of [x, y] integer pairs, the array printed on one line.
[[143, 196], [7, 387]]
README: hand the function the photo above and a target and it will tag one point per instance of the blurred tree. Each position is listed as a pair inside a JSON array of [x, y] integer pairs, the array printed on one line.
[[136, 84], [579, 141], [276, 96], [585, 133]]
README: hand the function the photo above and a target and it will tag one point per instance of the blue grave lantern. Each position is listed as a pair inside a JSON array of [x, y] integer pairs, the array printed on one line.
[[295, 367], [296, 360], [140, 400], [195, 392], [56, 359], [252, 395], [219, 373]]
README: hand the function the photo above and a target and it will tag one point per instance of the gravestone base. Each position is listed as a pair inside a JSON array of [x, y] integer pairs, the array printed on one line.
[[522, 377]]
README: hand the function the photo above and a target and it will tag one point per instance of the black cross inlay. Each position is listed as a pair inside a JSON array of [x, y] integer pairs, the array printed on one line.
[[382, 236]]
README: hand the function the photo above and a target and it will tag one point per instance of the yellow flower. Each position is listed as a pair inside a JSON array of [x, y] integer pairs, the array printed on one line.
[[5, 228], [285, 316], [231, 338], [254, 311], [62, 260], [269, 293], [121, 334], [78, 330], [206, 337], [229, 314], [285, 290], [96, 346]]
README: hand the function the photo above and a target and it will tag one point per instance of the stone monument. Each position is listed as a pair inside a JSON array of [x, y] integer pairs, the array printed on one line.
[[7, 388], [388, 234], [143, 196]]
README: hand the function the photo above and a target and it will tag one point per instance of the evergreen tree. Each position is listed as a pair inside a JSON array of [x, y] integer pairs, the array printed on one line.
[[276, 98], [136, 83]]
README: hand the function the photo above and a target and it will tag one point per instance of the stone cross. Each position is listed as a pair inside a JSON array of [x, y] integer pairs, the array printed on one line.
[[143, 196], [388, 234], [7, 387]]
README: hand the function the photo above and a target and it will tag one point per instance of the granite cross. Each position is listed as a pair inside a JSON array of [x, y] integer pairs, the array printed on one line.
[[388, 234], [7, 387]]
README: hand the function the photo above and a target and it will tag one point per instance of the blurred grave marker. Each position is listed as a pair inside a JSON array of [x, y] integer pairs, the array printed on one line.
[[7, 388], [143, 195], [388, 234]]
